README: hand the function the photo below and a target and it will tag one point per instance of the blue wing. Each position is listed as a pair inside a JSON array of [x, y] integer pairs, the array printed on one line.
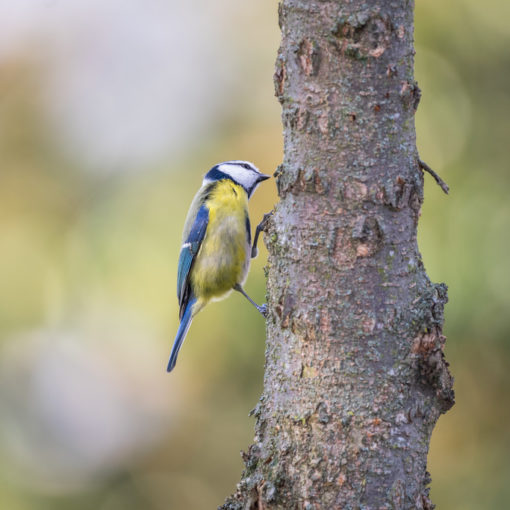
[[189, 252]]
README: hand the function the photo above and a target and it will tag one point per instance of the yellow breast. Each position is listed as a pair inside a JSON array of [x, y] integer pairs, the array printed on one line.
[[224, 254]]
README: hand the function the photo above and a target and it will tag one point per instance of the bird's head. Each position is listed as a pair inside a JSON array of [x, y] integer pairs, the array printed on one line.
[[244, 173]]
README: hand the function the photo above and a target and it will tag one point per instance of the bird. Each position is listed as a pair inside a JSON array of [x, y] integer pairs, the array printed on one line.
[[216, 243]]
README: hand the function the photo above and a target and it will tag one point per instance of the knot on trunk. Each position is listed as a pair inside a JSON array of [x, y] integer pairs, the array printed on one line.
[[363, 35], [368, 234], [309, 55], [427, 349], [279, 78], [410, 94], [401, 194], [306, 180]]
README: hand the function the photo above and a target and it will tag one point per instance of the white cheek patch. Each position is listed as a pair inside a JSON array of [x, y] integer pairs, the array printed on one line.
[[246, 178]]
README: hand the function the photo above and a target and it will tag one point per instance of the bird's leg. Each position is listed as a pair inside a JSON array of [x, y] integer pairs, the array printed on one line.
[[262, 308], [260, 227]]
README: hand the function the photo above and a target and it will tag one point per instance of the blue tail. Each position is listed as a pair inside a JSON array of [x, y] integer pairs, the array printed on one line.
[[181, 333]]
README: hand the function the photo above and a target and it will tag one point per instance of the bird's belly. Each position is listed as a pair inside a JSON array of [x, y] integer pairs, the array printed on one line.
[[223, 258]]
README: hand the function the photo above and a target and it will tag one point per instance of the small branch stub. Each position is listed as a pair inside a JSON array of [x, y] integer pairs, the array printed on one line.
[[426, 168]]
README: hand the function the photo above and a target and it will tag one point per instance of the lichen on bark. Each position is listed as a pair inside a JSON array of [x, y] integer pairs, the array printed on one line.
[[355, 376]]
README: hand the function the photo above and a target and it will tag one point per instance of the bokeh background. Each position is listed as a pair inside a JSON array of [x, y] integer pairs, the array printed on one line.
[[110, 112]]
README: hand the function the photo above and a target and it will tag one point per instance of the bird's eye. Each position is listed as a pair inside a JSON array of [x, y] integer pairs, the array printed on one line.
[[246, 166]]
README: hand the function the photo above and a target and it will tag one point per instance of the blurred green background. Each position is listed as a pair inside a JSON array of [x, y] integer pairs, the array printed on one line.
[[110, 113]]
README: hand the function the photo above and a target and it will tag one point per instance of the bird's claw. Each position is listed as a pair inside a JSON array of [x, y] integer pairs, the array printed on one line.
[[263, 309], [265, 220]]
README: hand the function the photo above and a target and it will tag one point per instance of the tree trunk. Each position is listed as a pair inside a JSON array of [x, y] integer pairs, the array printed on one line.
[[355, 376]]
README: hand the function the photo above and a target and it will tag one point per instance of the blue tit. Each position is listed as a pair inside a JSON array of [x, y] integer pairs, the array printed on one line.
[[216, 242]]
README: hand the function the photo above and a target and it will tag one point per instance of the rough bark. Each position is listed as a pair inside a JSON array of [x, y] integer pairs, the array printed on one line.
[[355, 376]]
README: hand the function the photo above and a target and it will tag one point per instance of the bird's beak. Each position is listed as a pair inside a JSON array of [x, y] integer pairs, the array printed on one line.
[[263, 177]]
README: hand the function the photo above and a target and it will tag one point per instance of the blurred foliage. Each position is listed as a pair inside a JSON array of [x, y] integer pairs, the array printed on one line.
[[465, 239], [88, 417]]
